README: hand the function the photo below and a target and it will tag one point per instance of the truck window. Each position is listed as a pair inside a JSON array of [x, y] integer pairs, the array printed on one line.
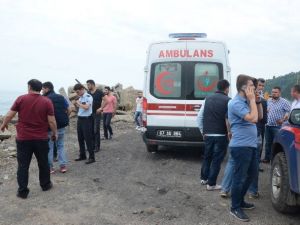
[[166, 80], [206, 77]]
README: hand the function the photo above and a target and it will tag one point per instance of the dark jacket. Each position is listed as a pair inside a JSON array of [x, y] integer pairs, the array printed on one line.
[[60, 109], [261, 123], [215, 112]]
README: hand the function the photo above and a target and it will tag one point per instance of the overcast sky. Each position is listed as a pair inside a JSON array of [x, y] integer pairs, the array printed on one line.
[[60, 40]]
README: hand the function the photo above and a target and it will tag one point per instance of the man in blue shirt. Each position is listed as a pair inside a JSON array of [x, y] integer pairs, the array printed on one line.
[[85, 124], [242, 116]]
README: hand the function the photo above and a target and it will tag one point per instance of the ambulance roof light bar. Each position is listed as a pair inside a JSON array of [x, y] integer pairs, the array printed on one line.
[[188, 35]]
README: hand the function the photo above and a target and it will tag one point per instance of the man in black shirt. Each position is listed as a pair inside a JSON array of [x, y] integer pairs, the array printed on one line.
[[97, 100]]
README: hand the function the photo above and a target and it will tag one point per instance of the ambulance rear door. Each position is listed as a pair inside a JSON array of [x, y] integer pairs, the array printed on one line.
[[166, 98], [207, 64]]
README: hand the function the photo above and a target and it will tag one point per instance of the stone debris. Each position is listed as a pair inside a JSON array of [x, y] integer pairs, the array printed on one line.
[[5, 135]]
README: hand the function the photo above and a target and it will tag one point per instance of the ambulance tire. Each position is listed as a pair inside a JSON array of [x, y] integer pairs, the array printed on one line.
[[152, 148]]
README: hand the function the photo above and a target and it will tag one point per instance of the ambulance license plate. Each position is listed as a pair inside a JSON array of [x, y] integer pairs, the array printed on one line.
[[169, 133]]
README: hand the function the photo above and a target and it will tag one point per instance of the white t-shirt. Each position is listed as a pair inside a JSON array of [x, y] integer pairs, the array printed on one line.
[[295, 104], [139, 104]]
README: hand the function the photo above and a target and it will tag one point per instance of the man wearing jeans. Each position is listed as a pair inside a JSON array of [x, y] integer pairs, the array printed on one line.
[[35, 115], [61, 111], [242, 116], [138, 110], [212, 124], [278, 112]]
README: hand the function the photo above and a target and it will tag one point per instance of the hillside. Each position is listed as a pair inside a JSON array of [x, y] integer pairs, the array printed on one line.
[[285, 82]]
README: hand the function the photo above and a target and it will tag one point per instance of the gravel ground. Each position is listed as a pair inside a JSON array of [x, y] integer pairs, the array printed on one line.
[[126, 185]]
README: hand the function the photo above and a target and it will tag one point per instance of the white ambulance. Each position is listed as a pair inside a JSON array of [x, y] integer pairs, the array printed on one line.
[[179, 74]]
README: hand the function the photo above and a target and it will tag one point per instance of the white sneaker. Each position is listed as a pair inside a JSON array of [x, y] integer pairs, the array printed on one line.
[[203, 182], [213, 188], [137, 127]]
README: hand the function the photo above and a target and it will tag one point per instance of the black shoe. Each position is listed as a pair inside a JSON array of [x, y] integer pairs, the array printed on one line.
[[247, 205], [90, 161], [239, 214], [261, 170], [47, 187], [97, 149], [110, 137], [80, 159], [265, 161], [22, 195]]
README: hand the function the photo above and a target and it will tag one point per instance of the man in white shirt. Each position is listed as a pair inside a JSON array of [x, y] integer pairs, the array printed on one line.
[[138, 111], [295, 93]]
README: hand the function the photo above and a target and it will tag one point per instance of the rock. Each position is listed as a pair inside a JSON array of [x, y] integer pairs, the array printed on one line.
[[5, 135], [162, 191], [150, 210], [73, 96], [12, 154], [127, 98], [12, 148]]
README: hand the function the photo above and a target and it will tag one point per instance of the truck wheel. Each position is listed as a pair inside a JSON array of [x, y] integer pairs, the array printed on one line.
[[152, 148], [280, 186]]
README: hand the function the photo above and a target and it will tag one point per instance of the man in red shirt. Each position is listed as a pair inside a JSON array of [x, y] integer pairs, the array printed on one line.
[[35, 116]]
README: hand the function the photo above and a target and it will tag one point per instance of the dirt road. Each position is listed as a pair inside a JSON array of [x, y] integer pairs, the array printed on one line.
[[127, 185]]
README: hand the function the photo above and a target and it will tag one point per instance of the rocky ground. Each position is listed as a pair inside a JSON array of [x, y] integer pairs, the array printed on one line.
[[126, 185]]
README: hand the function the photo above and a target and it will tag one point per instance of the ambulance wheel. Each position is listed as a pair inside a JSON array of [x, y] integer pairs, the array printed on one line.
[[152, 148]]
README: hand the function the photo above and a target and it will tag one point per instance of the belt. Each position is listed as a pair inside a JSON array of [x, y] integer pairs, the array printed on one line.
[[84, 117]]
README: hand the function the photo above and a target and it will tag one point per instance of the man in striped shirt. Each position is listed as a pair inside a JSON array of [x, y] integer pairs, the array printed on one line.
[[278, 112]]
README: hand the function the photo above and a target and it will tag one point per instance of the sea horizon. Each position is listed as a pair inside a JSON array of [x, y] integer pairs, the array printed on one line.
[[7, 98]]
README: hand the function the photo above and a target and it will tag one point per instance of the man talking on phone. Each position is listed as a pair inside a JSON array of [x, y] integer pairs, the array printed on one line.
[[243, 116]]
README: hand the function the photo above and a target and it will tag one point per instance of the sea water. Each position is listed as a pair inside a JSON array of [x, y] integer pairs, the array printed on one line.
[[7, 99]]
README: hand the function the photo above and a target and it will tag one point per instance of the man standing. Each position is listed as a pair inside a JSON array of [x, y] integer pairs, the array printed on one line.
[[212, 124], [84, 124], [242, 116], [61, 112], [278, 112], [97, 100], [138, 110], [35, 115], [295, 93], [108, 107]]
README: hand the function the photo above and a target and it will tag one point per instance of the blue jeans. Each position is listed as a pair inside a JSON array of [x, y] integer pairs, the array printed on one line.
[[215, 151], [62, 159], [244, 167], [270, 133], [106, 124], [138, 118], [227, 178], [253, 189]]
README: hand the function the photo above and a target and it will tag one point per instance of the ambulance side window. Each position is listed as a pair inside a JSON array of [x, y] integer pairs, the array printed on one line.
[[206, 77], [166, 80]]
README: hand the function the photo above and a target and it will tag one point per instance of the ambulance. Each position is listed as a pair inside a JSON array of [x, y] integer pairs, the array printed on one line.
[[179, 73]]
